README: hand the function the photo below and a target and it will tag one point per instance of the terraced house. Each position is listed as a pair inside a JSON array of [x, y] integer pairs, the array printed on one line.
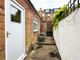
[[19, 28]]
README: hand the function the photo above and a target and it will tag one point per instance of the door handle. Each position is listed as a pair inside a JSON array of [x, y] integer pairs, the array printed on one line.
[[8, 34]]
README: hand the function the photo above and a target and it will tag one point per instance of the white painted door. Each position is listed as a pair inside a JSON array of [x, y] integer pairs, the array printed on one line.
[[15, 31]]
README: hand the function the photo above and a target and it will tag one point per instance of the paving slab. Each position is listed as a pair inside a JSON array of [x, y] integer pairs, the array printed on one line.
[[46, 52]]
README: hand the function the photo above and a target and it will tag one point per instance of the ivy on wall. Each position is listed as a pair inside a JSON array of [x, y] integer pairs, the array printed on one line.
[[64, 12], [59, 15]]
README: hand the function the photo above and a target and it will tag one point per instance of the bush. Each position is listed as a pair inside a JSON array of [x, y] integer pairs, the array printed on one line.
[[59, 15]]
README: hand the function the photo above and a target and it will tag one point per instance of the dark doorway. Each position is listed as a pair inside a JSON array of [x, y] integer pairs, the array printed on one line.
[[49, 33]]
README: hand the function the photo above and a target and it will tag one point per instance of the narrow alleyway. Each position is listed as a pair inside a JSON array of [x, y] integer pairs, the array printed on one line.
[[47, 51]]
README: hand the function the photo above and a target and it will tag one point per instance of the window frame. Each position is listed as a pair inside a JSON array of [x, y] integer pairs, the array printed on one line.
[[35, 22]]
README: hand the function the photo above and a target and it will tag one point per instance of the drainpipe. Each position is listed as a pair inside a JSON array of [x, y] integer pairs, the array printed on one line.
[[78, 3]]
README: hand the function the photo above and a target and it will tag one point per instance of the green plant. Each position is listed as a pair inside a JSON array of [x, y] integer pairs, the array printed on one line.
[[59, 15], [64, 12]]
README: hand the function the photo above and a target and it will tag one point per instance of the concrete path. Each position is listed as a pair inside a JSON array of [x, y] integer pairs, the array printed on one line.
[[46, 52]]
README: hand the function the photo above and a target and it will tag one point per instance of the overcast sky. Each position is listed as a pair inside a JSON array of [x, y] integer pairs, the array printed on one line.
[[48, 4]]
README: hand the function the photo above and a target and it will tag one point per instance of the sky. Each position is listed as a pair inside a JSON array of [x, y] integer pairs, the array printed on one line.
[[48, 4]]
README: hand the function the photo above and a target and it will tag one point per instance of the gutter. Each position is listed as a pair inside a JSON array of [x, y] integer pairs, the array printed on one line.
[[29, 2]]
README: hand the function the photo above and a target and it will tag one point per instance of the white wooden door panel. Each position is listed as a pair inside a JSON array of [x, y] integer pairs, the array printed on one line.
[[15, 28]]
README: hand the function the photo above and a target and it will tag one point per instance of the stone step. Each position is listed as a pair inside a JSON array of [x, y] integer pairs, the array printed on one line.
[[45, 43]]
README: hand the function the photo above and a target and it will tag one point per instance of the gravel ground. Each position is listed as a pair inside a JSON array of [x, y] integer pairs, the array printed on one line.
[[46, 52]]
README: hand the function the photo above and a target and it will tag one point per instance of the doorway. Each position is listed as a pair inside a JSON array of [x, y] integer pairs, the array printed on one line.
[[14, 30]]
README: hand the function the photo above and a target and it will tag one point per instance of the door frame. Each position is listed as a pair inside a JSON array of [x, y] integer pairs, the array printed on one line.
[[7, 3]]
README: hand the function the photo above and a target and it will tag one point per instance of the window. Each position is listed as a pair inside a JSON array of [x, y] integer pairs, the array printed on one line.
[[47, 10], [15, 14], [35, 24]]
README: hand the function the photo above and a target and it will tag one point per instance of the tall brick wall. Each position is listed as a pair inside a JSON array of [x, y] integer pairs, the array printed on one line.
[[2, 31], [30, 13]]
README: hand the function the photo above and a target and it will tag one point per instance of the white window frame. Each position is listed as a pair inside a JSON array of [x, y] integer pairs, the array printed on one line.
[[35, 22]]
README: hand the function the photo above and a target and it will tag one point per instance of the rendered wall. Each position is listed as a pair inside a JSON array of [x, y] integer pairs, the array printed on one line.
[[67, 36]]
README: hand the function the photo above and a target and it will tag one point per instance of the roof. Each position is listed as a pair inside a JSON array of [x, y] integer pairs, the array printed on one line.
[[30, 3]]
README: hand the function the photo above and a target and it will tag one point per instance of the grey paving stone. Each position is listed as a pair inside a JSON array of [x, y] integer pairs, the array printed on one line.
[[43, 53]]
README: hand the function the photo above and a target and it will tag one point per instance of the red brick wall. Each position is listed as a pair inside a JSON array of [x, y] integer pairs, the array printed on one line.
[[30, 13], [2, 31]]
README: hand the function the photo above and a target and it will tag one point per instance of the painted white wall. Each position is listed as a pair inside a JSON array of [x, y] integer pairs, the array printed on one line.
[[67, 36]]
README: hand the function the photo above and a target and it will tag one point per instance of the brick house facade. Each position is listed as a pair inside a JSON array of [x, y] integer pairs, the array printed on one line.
[[2, 30], [30, 13], [43, 21], [30, 34]]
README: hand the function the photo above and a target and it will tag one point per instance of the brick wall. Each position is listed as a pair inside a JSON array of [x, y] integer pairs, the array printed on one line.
[[31, 36], [30, 13], [2, 29]]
